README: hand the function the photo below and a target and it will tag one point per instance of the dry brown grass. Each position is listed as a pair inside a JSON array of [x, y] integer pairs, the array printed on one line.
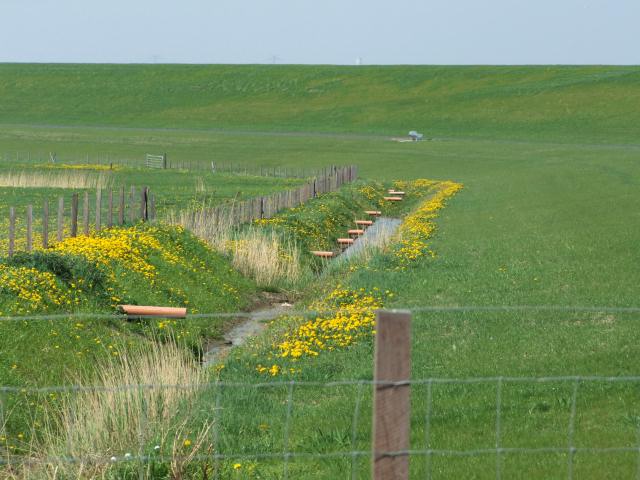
[[264, 256], [56, 179], [215, 226], [112, 421], [254, 251]]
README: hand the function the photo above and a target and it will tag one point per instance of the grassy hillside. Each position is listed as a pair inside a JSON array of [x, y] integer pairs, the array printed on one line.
[[589, 103], [141, 264], [549, 159]]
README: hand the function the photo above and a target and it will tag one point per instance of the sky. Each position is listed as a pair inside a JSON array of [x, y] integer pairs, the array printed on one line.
[[321, 32]]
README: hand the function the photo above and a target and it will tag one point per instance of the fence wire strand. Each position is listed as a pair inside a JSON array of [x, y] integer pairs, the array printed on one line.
[[308, 313], [638, 443], [303, 383], [98, 460], [427, 429], [286, 454], [215, 428], [572, 427], [287, 426], [354, 430], [498, 427], [289, 452]]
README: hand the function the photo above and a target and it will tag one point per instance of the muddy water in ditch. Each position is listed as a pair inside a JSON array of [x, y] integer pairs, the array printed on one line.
[[246, 328], [378, 234]]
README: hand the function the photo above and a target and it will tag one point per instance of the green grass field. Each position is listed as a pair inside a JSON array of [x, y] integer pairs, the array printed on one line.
[[541, 102], [549, 159]]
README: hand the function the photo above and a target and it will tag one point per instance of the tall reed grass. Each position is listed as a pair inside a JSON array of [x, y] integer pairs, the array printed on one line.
[[255, 251], [56, 179], [265, 256], [135, 407]]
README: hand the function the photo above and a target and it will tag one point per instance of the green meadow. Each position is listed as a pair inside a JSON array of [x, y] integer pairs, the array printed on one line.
[[550, 162]]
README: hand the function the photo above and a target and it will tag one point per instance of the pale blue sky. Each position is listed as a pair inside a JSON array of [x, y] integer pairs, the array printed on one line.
[[327, 31]]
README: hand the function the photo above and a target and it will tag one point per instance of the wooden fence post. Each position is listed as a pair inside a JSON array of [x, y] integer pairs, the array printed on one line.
[[143, 204], [60, 219], [152, 207], [74, 215], [110, 214], [391, 395], [12, 230], [98, 209], [132, 200], [45, 224], [121, 211], [29, 228], [85, 213]]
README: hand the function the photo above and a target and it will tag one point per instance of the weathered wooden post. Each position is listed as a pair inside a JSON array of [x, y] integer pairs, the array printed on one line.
[[45, 224], [152, 207], [98, 209], [74, 215], [85, 213], [12, 230], [121, 211], [29, 228], [110, 214], [143, 204], [391, 396], [60, 225], [132, 200]]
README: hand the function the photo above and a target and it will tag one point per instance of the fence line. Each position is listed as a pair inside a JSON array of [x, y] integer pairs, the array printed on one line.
[[500, 380], [142, 208], [97, 460], [390, 451], [312, 313], [267, 206], [141, 205], [162, 161]]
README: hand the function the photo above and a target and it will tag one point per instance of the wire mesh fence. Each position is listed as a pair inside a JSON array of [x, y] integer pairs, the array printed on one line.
[[110, 160], [497, 426]]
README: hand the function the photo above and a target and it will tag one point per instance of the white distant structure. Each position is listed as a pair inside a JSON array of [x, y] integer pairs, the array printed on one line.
[[359, 61], [415, 136]]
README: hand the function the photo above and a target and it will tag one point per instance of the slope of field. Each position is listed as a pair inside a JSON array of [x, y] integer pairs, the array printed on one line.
[[590, 103], [549, 159]]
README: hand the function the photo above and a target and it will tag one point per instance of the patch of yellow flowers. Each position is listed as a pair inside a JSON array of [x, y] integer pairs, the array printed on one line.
[[344, 317], [129, 246], [418, 226], [81, 166], [34, 290], [369, 192]]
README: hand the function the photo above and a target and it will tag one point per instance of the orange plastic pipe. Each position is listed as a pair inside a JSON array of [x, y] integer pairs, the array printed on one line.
[[148, 311]]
